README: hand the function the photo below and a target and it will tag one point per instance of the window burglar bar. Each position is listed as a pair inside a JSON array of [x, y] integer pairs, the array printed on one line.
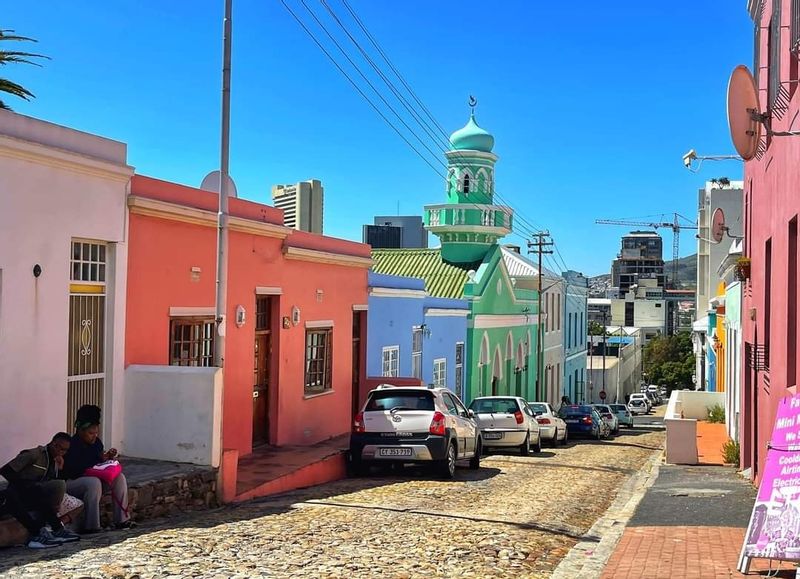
[[774, 55], [758, 356], [192, 342]]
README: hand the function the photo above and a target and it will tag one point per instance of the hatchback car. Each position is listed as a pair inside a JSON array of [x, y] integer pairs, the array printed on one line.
[[605, 412], [583, 420], [507, 422], [643, 397], [414, 425], [623, 415], [552, 427], [637, 406]]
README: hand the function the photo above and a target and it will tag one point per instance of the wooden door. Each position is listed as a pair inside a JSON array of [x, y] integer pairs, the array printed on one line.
[[261, 371], [356, 392]]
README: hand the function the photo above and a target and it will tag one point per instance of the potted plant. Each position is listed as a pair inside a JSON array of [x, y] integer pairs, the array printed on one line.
[[742, 271]]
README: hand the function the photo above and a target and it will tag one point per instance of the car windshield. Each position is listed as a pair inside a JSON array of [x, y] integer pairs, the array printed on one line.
[[601, 408], [576, 410], [494, 406], [637, 401], [392, 400], [538, 408]]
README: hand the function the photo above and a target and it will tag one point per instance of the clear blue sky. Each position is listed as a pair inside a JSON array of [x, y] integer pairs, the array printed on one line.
[[592, 104]]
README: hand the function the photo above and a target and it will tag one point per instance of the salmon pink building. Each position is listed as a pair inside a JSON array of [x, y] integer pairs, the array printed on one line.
[[771, 207], [295, 317]]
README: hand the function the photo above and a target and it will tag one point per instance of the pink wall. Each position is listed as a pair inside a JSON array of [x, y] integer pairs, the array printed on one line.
[[162, 254], [771, 201]]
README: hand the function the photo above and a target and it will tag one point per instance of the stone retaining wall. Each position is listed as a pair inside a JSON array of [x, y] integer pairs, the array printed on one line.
[[158, 498]]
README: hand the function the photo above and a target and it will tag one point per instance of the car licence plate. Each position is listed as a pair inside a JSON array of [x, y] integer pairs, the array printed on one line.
[[492, 435], [395, 452], [572, 421]]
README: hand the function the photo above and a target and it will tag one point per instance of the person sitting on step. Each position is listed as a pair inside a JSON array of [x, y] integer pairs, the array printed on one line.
[[85, 451], [33, 487]]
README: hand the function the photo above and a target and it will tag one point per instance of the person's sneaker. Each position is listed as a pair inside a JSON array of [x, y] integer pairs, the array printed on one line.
[[43, 540], [65, 536]]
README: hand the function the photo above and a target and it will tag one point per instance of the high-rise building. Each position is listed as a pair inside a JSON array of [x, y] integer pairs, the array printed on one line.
[[396, 232], [640, 258], [302, 204]]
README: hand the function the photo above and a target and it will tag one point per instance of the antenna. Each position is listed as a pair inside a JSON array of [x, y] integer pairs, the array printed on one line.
[[718, 225], [211, 183], [745, 120]]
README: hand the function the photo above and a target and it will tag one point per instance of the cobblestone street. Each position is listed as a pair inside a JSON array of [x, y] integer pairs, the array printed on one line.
[[516, 517]]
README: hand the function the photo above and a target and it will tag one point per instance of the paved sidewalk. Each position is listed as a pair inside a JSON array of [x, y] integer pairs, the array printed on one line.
[[690, 524]]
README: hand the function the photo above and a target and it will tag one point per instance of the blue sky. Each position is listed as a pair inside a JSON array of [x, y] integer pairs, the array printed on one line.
[[592, 104]]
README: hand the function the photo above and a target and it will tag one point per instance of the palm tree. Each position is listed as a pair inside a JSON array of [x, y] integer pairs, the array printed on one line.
[[14, 56]]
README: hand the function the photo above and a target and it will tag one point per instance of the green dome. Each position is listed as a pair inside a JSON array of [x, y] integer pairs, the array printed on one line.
[[472, 138]]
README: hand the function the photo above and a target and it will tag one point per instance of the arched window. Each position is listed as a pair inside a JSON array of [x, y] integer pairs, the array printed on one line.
[[465, 183]]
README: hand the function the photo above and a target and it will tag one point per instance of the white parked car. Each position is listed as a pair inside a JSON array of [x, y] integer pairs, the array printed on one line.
[[415, 425], [608, 416], [507, 421], [637, 406], [551, 426], [644, 398]]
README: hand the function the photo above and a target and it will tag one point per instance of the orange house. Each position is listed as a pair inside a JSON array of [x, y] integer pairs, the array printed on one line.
[[295, 317]]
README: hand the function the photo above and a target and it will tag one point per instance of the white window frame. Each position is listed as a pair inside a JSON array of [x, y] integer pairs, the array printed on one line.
[[440, 372], [387, 359]]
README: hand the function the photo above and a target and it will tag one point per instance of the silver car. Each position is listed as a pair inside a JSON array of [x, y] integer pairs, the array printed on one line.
[[414, 425], [608, 416], [507, 422]]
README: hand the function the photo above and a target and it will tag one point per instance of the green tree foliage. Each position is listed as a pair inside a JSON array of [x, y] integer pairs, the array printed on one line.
[[596, 329], [669, 360], [15, 57]]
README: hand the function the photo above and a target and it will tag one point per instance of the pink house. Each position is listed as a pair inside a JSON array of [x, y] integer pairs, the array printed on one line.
[[294, 337], [771, 207]]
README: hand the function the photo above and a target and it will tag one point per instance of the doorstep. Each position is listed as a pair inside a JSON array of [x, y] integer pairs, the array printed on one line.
[[270, 470]]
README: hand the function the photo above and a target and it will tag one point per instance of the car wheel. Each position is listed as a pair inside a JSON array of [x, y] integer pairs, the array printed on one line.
[[447, 467], [554, 442], [630, 425], [538, 446], [525, 447], [475, 461], [599, 434], [566, 438]]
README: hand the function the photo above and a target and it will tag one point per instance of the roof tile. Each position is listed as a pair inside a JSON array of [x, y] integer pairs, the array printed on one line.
[[442, 279]]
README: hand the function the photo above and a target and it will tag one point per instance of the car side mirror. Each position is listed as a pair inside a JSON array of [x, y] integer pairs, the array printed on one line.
[[471, 413]]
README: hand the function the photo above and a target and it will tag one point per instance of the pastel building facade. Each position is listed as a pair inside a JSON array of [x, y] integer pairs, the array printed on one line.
[[295, 329], [499, 284], [63, 269], [575, 334], [771, 209], [413, 335]]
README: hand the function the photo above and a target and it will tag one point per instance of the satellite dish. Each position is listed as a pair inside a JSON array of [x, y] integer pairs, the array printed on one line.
[[211, 183], [743, 112], [718, 225]]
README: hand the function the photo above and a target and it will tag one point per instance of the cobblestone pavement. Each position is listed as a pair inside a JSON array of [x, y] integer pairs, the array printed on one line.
[[515, 517]]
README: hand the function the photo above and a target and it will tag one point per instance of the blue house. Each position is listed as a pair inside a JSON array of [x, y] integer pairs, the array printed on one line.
[[413, 335], [575, 330]]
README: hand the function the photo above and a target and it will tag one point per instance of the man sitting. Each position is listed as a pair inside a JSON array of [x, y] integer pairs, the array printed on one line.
[[33, 486]]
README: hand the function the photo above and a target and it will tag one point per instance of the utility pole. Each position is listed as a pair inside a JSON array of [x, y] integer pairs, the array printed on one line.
[[539, 246], [604, 352], [222, 216]]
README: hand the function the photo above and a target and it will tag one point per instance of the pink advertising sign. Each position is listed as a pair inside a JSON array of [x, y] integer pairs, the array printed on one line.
[[774, 529]]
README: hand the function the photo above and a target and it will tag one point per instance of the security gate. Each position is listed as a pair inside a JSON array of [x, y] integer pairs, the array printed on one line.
[[87, 320]]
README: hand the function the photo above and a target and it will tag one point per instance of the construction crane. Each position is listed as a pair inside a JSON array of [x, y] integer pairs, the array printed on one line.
[[675, 225]]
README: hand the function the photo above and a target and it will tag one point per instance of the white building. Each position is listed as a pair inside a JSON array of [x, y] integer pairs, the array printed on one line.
[[63, 264], [710, 255], [622, 366], [302, 205]]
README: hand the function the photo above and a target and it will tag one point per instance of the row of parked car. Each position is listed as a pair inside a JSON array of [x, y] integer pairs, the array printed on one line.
[[432, 425]]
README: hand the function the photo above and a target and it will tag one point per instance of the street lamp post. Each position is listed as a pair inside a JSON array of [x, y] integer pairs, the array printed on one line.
[[222, 215]]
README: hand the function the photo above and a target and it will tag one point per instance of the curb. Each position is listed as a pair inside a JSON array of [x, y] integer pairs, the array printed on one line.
[[587, 559]]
